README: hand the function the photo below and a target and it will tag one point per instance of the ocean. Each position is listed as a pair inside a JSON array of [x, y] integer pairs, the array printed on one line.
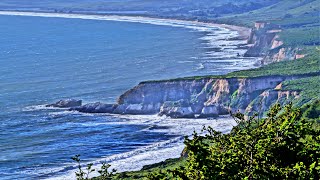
[[96, 58]]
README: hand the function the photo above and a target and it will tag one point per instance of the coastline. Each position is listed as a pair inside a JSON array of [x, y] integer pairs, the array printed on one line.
[[153, 153], [284, 73], [243, 32]]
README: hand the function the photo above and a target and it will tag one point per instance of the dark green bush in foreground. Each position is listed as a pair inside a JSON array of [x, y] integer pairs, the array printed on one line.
[[281, 146]]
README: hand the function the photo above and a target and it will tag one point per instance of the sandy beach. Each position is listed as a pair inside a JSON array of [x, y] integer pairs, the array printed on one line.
[[243, 32]]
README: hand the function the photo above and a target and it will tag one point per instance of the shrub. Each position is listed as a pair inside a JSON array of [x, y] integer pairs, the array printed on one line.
[[281, 146], [84, 174]]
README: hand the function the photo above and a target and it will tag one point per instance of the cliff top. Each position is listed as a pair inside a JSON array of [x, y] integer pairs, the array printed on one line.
[[307, 66]]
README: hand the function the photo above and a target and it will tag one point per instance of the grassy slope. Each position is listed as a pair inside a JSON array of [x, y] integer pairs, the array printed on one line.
[[277, 13], [309, 88], [310, 65]]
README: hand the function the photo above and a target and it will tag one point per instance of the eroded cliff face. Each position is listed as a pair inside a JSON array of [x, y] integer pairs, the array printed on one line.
[[149, 97], [210, 97], [260, 43], [279, 54], [265, 42], [202, 98], [261, 104]]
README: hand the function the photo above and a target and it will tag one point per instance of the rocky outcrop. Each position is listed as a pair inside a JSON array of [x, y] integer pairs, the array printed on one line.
[[177, 110], [95, 108], [261, 41], [276, 42], [265, 42], [279, 54], [151, 108], [150, 97], [66, 103], [299, 56], [204, 98], [210, 111]]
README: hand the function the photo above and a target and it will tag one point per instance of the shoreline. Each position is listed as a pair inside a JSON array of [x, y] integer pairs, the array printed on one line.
[[151, 154], [243, 32]]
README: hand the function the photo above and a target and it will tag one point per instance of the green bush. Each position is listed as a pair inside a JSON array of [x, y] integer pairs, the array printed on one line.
[[312, 110], [282, 146]]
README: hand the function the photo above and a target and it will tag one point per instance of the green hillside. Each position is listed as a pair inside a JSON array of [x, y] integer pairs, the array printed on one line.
[[170, 8], [299, 20], [287, 13]]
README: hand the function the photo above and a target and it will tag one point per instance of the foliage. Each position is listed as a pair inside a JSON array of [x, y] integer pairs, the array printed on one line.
[[308, 88], [80, 174], [85, 175], [307, 65], [104, 173], [301, 36], [282, 146], [287, 13], [312, 110]]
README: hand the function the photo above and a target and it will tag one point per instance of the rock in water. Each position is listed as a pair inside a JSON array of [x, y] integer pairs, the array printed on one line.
[[95, 108], [68, 103]]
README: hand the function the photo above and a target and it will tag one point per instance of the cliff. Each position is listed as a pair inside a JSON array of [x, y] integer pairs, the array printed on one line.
[[207, 97], [204, 97], [265, 42], [210, 97]]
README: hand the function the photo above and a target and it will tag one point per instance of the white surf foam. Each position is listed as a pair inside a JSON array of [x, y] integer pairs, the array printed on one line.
[[200, 67], [216, 36], [156, 152], [40, 107]]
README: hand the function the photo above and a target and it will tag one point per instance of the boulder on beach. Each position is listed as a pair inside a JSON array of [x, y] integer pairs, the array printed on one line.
[[95, 108], [67, 103]]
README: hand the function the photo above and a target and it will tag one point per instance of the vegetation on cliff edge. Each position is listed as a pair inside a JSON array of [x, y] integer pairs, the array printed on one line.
[[282, 146]]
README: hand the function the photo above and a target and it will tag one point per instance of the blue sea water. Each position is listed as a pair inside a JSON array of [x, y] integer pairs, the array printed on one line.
[[46, 59]]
